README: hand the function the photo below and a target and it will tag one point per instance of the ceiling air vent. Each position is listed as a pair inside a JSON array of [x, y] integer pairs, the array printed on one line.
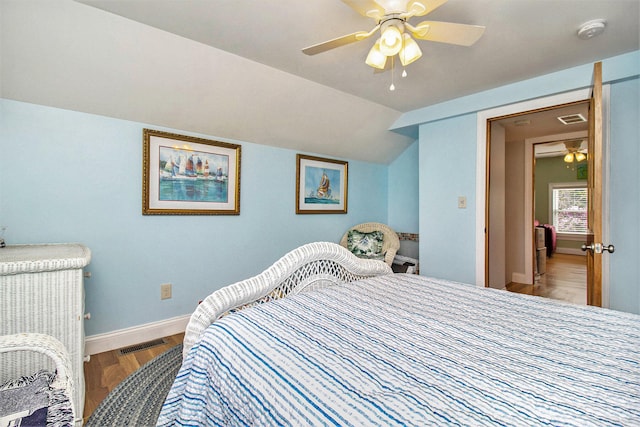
[[572, 119]]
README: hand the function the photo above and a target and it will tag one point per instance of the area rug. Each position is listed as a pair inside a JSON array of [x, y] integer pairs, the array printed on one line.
[[137, 400]]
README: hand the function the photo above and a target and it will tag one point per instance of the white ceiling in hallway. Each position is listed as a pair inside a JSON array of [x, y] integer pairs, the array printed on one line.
[[544, 123]]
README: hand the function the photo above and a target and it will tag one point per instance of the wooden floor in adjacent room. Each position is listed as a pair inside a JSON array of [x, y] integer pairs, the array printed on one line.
[[565, 279], [105, 371]]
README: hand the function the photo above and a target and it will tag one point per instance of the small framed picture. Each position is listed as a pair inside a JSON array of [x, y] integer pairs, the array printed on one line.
[[321, 185], [184, 175]]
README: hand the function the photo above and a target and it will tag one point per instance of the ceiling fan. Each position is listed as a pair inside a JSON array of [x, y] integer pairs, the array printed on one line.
[[574, 151], [570, 150], [392, 18]]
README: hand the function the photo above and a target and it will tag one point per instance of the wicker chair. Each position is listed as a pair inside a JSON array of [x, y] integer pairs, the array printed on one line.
[[33, 346], [390, 243]]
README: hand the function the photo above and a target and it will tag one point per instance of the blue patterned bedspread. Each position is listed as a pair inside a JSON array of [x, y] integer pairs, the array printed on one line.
[[409, 350]]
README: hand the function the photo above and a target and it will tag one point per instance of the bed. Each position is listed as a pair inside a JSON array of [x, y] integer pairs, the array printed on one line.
[[325, 338]]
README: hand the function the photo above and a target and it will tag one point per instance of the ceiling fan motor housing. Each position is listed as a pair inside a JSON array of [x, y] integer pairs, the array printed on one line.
[[392, 20]]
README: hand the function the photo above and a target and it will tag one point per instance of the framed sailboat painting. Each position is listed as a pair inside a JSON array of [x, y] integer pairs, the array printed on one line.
[[321, 185], [185, 175]]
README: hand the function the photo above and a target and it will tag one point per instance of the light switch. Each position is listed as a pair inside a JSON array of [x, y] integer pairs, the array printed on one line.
[[462, 202]]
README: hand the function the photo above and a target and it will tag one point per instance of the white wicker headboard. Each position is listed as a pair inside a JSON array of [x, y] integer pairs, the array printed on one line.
[[311, 266]]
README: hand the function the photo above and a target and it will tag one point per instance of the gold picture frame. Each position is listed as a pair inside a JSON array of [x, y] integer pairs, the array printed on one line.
[[321, 185], [185, 175]]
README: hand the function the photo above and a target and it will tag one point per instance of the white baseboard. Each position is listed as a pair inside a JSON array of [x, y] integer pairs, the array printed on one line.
[[520, 278], [100, 343]]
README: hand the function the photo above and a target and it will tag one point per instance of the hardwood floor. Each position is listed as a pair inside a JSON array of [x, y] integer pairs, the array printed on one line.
[[106, 370], [565, 279]]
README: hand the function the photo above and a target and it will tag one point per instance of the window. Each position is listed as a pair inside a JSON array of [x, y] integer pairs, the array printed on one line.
[[568, 205]]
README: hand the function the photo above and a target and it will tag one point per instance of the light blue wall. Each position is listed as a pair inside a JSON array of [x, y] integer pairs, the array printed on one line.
[[75, 177], [625, 195], [447, 170], [403, 191]]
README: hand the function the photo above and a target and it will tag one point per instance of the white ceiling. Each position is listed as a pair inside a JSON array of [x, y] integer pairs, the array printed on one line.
[[234, 70], [523, 39]]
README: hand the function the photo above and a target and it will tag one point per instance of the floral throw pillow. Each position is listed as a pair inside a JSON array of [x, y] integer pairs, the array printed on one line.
[[366, 245]]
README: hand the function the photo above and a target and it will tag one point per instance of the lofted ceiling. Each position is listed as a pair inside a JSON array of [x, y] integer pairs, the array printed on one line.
[[523, 39], [234, 69]]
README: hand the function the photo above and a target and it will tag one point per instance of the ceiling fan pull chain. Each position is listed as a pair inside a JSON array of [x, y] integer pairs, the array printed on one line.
[[403, 51], [392, 87]]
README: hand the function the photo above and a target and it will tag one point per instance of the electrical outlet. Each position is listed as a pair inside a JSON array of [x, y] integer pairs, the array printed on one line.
[[165, 291], [462, 202]]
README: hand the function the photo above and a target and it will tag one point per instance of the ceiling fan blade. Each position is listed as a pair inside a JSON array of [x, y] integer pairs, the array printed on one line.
[[448, 32], [423, 7], [368, 8], [337, 42]]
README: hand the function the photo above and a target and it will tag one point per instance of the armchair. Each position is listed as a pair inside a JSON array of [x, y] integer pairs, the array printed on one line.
[[390, 243]]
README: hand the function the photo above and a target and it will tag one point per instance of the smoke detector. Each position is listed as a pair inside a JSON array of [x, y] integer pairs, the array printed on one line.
[[591, 29]]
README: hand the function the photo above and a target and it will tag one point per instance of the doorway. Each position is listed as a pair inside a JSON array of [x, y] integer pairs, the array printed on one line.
[[559, 203], [537, 142], [483, 121]]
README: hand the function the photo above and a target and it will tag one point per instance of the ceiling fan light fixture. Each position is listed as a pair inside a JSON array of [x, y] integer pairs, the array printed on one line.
[[391, 40], [410, 51], [376, 58], [573, 154], [397, 34]]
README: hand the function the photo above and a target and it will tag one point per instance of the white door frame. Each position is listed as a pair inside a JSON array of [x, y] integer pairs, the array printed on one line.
[[481, 169]]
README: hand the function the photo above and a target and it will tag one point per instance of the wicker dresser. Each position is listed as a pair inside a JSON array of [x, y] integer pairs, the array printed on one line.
[[41, 290]]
